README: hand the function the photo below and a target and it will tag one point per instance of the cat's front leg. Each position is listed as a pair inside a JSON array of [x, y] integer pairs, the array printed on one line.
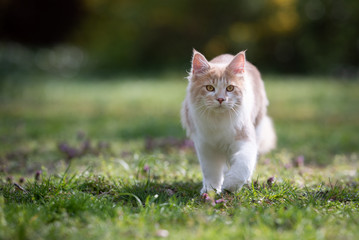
[[242, 163], [212, 163]]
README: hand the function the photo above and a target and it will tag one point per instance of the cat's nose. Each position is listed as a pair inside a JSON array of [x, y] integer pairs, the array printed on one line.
[[220, 100]]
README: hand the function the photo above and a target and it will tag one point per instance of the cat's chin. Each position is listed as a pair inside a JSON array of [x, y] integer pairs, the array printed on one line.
[[220, 108]]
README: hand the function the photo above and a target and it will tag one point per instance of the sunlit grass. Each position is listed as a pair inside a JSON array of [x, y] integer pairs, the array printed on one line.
[[115, 164]]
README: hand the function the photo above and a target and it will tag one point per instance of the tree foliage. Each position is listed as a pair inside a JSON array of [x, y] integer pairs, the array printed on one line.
[[280, 35]]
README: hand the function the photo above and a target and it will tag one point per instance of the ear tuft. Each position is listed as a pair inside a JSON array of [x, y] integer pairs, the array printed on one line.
[[238, 63], [199, 63]]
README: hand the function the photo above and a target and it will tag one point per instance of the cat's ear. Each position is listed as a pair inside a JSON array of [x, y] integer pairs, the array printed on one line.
[[199, 63], [237, 64]]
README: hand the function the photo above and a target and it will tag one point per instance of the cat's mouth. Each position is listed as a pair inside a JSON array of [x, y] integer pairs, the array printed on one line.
[[219, 107], [222, 107]]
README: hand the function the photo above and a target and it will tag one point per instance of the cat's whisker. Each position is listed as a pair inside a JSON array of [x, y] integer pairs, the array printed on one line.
[[237, 107], [230, 117], [236, 115], [202, 110], [235, 111]]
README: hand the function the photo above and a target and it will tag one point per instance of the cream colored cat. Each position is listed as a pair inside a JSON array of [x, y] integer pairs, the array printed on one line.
[[225, 114]]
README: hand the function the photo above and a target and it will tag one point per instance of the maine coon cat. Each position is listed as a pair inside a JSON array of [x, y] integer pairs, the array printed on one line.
[[225, 114]]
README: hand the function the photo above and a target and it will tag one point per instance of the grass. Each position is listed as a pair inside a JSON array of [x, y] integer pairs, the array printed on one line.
[[108, 160]]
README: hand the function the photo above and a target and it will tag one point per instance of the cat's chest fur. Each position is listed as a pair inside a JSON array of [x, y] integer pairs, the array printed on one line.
[[217, 130]]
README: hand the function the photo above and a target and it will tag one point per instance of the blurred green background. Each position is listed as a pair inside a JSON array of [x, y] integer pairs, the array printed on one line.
[[111, 36], [115, 71]]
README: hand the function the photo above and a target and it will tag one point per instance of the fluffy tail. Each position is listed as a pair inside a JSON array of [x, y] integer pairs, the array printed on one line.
[[266, 137]]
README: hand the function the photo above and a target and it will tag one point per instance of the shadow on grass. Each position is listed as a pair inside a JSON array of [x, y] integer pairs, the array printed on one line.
[[135, 195], [159, 193]]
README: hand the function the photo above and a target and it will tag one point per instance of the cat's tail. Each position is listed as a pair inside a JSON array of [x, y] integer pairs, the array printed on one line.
[[266, 137]]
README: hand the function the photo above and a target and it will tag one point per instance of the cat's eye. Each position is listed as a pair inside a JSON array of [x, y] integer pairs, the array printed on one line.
[[230, 88], [210, 88]]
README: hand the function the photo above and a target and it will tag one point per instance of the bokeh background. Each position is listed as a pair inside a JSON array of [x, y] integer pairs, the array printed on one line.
[[114, 71], [110, 36]]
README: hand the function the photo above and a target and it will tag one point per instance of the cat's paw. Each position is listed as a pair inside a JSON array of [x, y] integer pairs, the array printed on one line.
[[232, 187], [203, 190], [206, 189], [232, 184]]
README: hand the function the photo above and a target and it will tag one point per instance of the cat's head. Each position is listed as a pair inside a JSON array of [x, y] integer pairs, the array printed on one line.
[[217, 85]]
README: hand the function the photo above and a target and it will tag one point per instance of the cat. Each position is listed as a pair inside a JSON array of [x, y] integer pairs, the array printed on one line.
[[225, 115]]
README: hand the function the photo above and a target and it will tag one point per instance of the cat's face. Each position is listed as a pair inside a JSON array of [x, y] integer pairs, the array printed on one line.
[[216, 93], [215, 87]]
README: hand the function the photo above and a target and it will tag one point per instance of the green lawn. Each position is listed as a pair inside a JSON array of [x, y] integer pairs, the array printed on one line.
[[108, 159]]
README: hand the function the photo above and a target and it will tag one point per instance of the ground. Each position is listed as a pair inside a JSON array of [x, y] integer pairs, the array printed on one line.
[[108, 159]]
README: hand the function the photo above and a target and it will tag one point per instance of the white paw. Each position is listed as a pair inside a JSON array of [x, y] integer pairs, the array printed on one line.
[[232, 184], [206, 189], [203, 190]]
